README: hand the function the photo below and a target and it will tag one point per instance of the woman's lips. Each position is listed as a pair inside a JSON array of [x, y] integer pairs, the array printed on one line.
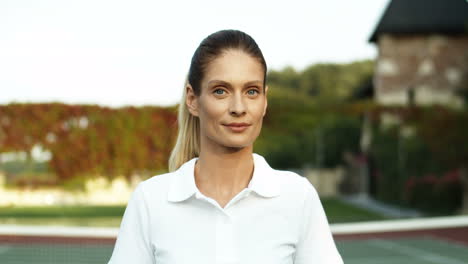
[[237, 127]]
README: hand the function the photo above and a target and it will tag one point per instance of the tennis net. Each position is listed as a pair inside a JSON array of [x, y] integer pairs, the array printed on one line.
[[441, 240], [438, 240]]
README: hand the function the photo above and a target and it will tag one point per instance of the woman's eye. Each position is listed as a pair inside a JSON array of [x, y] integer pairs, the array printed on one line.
[[252, 92], [219, 91]]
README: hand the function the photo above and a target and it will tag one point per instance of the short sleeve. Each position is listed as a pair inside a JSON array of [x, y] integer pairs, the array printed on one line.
[[133, 241], [315, 244]]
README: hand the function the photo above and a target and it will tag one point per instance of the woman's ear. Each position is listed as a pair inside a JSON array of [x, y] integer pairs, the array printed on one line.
[[191, 100], [266, 100]]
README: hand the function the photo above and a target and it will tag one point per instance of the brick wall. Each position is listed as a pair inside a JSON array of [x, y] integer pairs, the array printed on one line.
[[434, 66]]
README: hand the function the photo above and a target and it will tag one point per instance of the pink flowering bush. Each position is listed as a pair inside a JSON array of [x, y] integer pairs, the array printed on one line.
[[435, 194]]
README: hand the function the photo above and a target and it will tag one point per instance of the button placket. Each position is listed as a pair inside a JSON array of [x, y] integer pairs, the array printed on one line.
[[225, 252]]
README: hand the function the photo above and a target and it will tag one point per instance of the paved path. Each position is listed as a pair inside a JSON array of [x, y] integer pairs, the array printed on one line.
[[368, 203]]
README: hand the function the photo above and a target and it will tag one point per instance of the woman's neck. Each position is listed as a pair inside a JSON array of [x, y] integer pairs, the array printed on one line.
[[224, 172]]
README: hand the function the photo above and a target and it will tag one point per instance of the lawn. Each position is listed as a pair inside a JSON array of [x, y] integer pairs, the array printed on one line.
[[100, 216], [337, 212], [340, 212], [62, 211]]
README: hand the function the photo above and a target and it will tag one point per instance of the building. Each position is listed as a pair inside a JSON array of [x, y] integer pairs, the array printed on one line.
[[422, 53]]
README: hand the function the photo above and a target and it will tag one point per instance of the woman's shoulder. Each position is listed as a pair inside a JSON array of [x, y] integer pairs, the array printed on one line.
[[288, 175], [287, 179], [157, 182], [294, 182]]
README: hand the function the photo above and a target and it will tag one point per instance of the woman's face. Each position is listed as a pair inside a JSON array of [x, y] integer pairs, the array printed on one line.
[[231, 95]]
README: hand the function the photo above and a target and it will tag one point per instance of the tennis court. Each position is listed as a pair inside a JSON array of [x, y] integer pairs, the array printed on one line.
[[442, 240]]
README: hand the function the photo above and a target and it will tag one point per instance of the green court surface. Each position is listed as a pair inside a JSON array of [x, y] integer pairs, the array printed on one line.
[[54, 254], [370, 251], [402, 251]]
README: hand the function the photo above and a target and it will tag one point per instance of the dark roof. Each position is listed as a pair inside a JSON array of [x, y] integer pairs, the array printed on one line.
[[423, 16]]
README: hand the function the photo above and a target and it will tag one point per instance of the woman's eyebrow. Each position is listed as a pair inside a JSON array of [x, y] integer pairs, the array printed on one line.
[[213, 82], [249, 83], [257, 82]]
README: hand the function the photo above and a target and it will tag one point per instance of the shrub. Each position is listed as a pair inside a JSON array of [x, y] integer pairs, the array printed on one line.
[[436, 195]]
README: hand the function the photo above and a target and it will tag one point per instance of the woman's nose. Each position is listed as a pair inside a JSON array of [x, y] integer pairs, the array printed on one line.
[[237, 105]]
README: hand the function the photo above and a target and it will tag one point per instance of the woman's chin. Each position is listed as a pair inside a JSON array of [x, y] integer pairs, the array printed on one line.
[[237, 145]]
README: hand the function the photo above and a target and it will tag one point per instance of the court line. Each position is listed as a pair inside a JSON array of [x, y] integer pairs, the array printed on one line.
[[414, 252]]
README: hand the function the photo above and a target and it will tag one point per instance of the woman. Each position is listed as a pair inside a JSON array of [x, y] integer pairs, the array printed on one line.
[[221, 203]]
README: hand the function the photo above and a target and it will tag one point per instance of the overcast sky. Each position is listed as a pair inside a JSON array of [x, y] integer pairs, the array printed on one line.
[[137, 52]]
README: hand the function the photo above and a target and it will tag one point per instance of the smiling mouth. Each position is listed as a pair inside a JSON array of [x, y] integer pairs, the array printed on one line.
[[234, 124], [237, 127]]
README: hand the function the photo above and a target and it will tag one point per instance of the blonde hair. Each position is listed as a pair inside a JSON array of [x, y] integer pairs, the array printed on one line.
[[188, 140]]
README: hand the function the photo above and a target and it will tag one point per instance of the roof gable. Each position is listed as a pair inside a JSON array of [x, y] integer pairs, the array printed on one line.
[[423, 17]]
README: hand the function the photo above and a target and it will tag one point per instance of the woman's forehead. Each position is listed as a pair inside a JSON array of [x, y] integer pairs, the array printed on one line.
[[234, 66]]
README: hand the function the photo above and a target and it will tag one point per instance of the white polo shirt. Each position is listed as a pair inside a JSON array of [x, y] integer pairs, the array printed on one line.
[[277, 219]]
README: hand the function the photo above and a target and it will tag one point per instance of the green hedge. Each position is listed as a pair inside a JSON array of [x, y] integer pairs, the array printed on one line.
[[420, 168]]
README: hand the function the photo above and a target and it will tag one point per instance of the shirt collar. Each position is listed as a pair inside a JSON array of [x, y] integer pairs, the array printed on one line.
[[264, 180]]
